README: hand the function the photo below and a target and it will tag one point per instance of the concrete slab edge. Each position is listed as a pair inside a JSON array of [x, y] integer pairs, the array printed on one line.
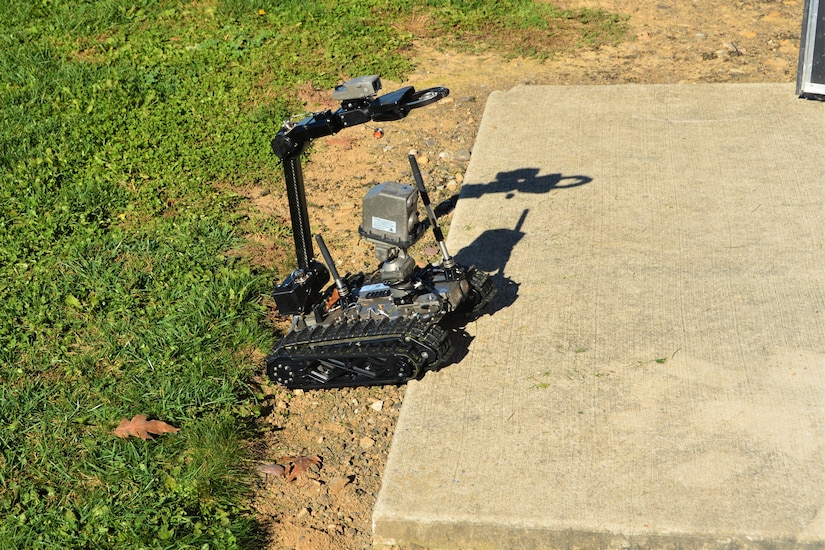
[[450, 535]]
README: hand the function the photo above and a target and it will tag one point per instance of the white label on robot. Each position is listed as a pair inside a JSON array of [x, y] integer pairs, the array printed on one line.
[[383, 225], [366, 289]]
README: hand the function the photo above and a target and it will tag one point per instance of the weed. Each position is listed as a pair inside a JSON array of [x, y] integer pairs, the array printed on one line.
[[657, 360], [539, 384]]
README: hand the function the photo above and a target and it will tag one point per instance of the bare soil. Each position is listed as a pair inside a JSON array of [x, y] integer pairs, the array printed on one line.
[[688, 41]]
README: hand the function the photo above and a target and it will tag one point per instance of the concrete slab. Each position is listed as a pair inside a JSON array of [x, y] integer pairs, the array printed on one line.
[[654, 371]]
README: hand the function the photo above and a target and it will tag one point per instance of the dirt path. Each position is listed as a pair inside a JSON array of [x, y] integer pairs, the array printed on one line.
[[674, 42]]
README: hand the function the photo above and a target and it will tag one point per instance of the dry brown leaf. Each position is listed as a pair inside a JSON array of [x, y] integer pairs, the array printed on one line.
[[300, 464], [138, 426]]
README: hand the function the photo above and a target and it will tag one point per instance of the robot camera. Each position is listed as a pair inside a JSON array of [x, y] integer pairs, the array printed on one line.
[[357, 88]]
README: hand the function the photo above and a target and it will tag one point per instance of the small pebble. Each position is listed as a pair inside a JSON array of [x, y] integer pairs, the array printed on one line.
[[462, 155], [366, 442], [272, 469], [337, 484]]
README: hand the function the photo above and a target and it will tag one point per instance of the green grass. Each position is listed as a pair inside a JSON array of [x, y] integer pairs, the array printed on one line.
[[520, 27], [124, 126]]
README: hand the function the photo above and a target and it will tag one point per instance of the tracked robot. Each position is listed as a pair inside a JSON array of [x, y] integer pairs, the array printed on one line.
[[385, 327]]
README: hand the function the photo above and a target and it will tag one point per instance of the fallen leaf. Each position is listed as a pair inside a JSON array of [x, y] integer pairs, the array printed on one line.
[[138, 426], [300, 464]]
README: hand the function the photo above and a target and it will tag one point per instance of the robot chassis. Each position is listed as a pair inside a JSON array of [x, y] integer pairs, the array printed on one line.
[[382, 328]]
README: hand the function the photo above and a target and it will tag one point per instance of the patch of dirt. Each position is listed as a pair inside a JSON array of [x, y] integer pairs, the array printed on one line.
[[688, 41]]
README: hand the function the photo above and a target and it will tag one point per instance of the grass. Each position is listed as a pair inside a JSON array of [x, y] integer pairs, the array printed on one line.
[[124, 127], [527, 28]]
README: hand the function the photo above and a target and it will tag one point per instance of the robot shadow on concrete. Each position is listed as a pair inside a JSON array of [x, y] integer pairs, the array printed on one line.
[[490, 253], [523, 180], [492, 250]]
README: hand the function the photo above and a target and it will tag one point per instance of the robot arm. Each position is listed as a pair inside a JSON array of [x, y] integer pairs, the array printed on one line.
[[359, 104]]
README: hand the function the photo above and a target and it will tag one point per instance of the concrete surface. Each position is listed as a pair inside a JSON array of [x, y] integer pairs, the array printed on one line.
[[653, 374]]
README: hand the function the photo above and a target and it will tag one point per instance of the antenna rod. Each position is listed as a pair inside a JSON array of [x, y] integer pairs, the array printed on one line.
[[343, 290], [425, 198]]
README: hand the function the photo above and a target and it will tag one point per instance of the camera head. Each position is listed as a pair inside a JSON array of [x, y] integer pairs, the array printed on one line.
[[357, 88]]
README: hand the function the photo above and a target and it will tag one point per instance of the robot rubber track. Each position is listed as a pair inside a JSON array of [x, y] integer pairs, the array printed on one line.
[[367, 352]]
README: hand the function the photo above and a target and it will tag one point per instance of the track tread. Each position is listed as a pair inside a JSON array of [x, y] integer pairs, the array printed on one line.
[[483, 291], [402, 348]]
